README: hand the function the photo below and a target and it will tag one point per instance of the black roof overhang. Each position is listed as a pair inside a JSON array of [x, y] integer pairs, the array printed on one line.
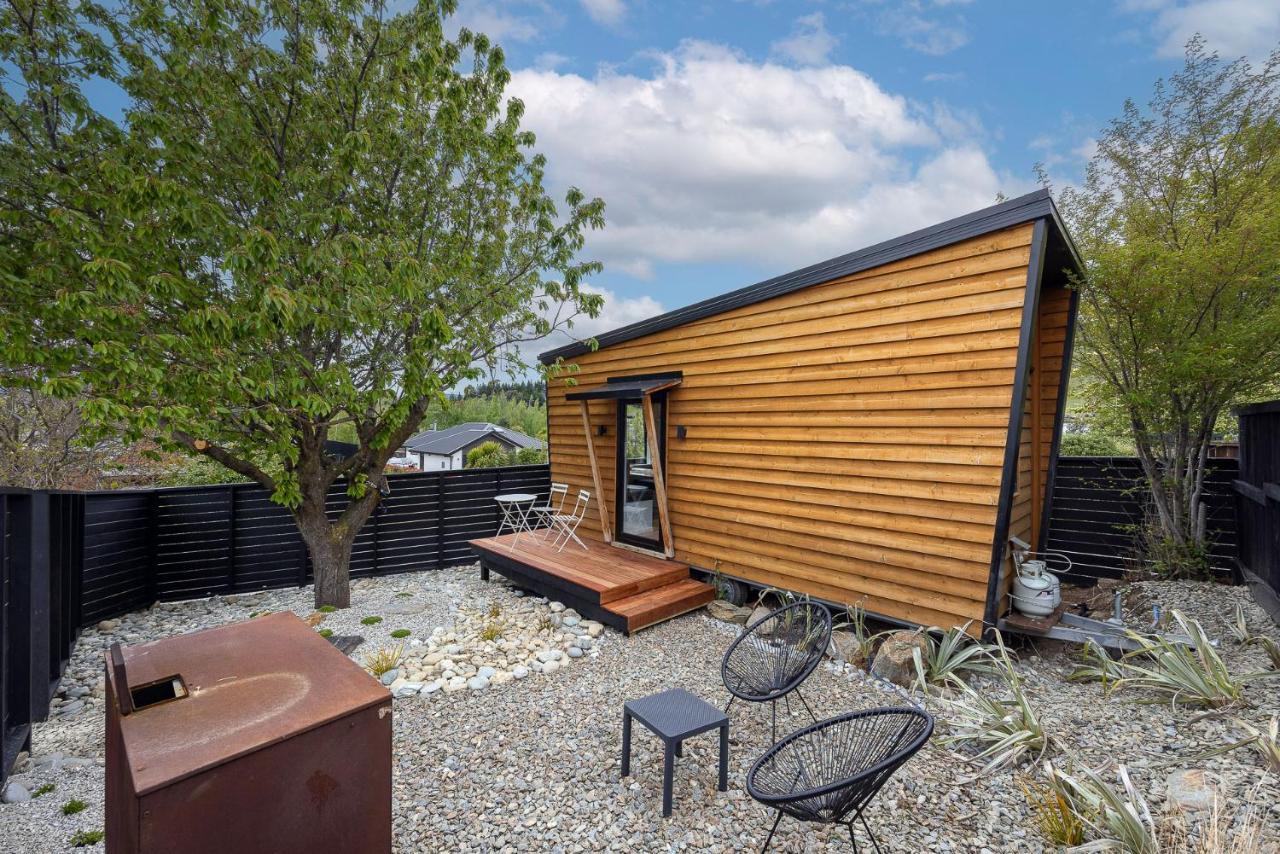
[[616, 389], [1028, 208]]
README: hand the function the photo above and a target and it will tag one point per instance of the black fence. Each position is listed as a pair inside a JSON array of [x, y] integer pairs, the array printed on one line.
[[187, 542], [1100, 502], [1258, 491], [40, 571], [71, 559]]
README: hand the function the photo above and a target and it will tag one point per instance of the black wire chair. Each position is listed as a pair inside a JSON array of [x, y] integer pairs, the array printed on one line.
[[774, 655], [833, 768]]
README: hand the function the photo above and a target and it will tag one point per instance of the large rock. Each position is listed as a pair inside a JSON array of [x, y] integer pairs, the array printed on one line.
[[845, 647], [1190, 789], [759, 614], [728, 612], [893, 661], [16, 793]]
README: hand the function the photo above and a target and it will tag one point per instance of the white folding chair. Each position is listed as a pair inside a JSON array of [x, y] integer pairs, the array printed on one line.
[[566, 524], [553, 505]]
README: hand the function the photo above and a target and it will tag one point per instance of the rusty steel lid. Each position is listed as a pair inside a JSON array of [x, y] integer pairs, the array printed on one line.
[[248, 685]]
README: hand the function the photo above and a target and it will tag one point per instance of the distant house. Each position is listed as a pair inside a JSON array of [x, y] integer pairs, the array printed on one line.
[[442, 450]]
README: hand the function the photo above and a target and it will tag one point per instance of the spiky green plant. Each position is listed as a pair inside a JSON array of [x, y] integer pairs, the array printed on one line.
[[1271, 648], [384, 659], [942, 660], [1195, 677], [1239, 626], [1055, 814], [1096, 665], [1000, 731], [73, 806], [1119, 818], [855, 625]]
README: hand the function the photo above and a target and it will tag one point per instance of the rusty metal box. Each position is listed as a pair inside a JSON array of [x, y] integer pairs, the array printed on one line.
[[252, 737]]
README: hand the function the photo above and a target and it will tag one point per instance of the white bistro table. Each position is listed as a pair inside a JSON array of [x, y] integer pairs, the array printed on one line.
[[516, 508]]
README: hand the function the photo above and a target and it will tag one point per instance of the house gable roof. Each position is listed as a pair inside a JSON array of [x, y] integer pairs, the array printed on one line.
[[453, 439], [1032, 206]]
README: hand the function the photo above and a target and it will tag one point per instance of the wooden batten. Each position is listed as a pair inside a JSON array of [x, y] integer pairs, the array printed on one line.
[[602, 505], [659, 485], [872, 439]]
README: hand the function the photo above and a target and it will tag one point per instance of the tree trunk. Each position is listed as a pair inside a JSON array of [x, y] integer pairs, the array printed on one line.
[[329, 544]]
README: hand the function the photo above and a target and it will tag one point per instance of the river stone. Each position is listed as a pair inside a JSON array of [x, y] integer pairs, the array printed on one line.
[[845, 647], [728, 612], [477, 683], [390, 676], [15, 793], [519, 671], [1190, 789], [893, 661]]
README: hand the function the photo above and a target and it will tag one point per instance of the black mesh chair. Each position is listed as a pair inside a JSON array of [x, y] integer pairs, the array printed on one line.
[[829, 772], [774, 655]]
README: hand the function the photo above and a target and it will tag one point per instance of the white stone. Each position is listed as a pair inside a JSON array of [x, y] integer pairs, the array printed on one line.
[[455, 684], [557, 607], [519, 671], [15, 793], [582, 643], [575, 652], [477, 683], [431, 687], [550, 666], [572, 621], [486, 672], [408, 689]]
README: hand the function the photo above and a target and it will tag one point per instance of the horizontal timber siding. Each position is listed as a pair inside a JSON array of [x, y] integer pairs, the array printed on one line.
[[845, 440]]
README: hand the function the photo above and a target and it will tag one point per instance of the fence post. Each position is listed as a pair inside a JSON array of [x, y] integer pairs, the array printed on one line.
[[231, 536], [153, 545], [439, 520]]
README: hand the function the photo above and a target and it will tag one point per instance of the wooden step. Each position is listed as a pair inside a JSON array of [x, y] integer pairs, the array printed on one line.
[[598, 574], [654, 606]]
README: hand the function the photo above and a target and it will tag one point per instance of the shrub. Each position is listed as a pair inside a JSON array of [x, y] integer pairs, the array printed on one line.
[[1090, 445], [856, 625], [495, 611], [1001, 731], [326, 609], [404, 594], [1055, 814], [942, 660], [401, 633], [73, 806], [1196, 677], [1096, 665], [1119, 818], [370, 621], [1271, 648], [43, 790], [85, 838], [492, 632], [326, 633], [384, 659]]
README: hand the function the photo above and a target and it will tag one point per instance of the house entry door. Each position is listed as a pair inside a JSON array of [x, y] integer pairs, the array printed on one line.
[[636, 499]]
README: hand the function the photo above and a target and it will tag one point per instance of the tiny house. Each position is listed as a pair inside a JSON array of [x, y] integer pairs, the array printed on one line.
[[870, 430]]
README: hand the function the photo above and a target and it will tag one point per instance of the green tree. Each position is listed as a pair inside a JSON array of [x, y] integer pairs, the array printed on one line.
[[314, 214], [1179, 222], [488, 455]]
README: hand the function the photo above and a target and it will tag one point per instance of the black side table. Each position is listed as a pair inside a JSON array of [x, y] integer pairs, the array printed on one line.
[[673, 716]]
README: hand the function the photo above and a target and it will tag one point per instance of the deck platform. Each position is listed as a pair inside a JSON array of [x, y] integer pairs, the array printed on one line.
[[620, 588]]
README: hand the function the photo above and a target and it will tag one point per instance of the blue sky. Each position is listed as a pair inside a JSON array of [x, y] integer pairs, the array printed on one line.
[[738, 139], [733, 141]]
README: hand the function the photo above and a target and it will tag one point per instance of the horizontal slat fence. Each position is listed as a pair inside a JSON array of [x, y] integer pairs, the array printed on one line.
[[1099, 503], [188, 542], [1258, 499]]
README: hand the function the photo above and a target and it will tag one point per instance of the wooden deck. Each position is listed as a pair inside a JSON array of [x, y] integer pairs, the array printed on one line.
[[618, 587]]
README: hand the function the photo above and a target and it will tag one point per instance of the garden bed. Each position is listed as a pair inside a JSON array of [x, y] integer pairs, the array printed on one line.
[[533, 764]]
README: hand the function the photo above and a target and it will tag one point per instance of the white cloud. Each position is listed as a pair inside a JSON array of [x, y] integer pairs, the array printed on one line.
[[923, 26], [809, 42], [1232, 27], [616, 313], [501, 22], [713, 157], [607, 12], [943, 76]]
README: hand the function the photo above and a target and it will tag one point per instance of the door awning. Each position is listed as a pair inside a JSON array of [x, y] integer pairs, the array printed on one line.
[[616, 389]]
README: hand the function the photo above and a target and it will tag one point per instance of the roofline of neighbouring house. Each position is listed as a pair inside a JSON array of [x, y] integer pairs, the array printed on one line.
[[1028, 208]]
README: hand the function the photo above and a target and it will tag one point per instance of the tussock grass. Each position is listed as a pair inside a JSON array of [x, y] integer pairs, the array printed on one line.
[[384, 659], [943, 659]]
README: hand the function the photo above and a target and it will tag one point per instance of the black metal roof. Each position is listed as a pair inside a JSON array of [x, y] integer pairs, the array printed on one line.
[[623, 387], [1032, 206]]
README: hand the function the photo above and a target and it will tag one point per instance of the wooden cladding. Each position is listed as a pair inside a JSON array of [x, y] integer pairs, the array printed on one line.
[[845, 440]]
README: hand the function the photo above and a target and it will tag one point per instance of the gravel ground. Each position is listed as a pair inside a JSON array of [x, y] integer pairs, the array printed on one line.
[[533, 765]]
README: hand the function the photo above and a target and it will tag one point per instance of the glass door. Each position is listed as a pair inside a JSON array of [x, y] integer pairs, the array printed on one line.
[[636, 499]]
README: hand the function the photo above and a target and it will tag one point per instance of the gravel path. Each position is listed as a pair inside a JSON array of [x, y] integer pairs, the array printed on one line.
[[533, 765]]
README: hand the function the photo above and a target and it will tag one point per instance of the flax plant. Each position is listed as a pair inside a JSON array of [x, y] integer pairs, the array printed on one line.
[[1119, 818], [942, 660], [1195, 677], [1002, 731]]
